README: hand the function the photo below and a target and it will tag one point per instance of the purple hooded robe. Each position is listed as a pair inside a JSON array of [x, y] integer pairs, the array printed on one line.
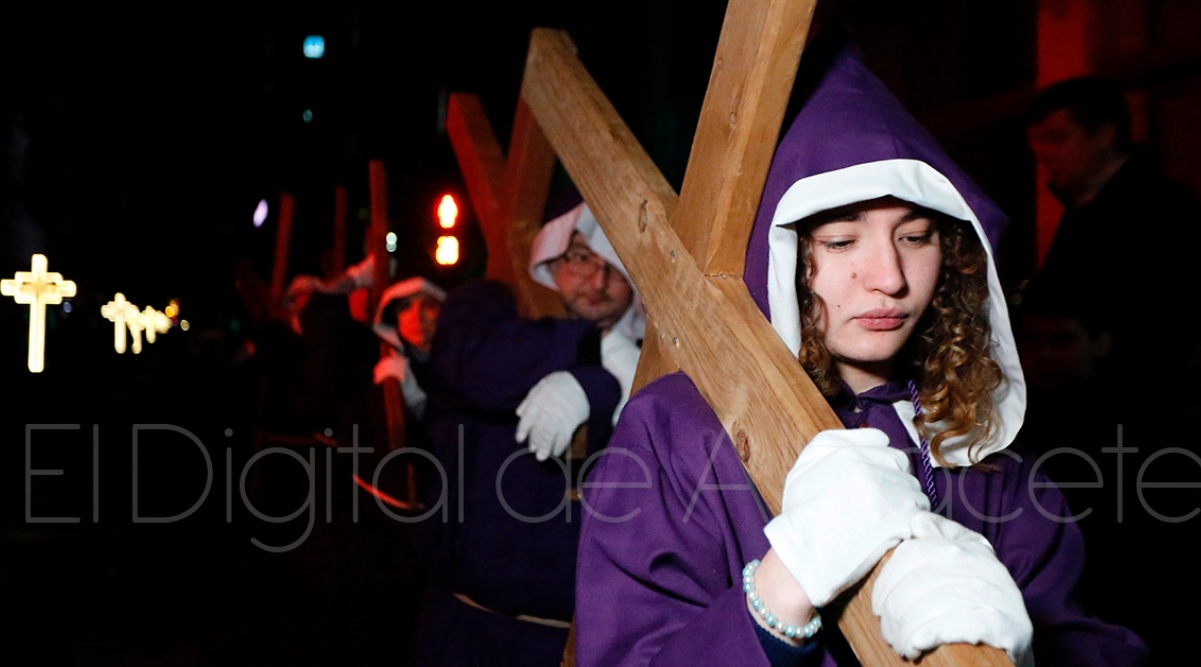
[[670, 516], [501, 527]]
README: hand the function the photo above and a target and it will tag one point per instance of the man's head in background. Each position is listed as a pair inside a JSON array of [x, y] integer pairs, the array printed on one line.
[[1079, 131], [572, 256]]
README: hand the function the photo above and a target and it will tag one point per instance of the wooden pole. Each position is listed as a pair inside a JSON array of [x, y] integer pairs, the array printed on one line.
[[377, 234], [377, 231], [337, 260], [283, 240], [708, 325], [393, 398]]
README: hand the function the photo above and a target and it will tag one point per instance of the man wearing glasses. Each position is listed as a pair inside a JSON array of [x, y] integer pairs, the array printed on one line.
[[516, 407]]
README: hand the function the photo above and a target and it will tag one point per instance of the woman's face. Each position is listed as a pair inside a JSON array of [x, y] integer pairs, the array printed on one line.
[[418, 321], [876, 268]]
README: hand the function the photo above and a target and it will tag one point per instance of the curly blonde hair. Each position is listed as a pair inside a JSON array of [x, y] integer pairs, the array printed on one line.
[[948, 355]]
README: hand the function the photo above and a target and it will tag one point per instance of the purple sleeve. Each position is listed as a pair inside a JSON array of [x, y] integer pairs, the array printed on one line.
[[658, 577], [604, 393], [485, 354], [508, 528], [1023, 514]]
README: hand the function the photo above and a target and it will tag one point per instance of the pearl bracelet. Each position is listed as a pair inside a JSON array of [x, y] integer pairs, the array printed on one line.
[[791, 631]]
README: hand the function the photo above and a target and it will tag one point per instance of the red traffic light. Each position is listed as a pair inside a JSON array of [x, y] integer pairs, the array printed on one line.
[[447, 253], [448, 211]]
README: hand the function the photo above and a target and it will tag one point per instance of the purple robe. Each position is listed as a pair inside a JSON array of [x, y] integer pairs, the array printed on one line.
[[506, 536], [670, 516]]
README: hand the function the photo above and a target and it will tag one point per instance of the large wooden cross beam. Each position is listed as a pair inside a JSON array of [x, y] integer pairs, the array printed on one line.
[[507, 195], [685, 253]]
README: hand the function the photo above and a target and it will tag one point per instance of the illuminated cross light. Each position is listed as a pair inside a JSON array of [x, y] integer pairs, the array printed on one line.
[[116, 311], [133, 321], [155, 322], [38, 288], [127, 318]]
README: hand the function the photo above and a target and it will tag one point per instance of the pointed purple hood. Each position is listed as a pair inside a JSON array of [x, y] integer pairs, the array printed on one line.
[[851, 141]]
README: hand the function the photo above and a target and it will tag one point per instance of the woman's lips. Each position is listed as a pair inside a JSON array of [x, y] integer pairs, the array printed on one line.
[[881, 320]]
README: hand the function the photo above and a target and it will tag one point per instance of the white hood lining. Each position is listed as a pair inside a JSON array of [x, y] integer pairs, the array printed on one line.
[[916, 182], [554, 238]]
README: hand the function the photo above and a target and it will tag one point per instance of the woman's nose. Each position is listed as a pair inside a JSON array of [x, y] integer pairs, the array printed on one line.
[[884, 272]]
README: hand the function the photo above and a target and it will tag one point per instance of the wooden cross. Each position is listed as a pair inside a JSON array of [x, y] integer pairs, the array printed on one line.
[[38, 288], [508, 196], [685, 253]]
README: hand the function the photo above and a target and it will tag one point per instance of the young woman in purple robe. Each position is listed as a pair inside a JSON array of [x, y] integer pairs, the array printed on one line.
[[871, 256]]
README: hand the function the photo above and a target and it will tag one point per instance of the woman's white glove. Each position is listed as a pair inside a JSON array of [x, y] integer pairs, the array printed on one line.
[[361, 275], [397, 366], [550, 413], [619, 356], [300, 289], [945, 585], [848, 499]]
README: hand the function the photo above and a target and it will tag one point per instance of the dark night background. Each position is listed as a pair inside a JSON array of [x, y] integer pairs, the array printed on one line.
[[137, 142]]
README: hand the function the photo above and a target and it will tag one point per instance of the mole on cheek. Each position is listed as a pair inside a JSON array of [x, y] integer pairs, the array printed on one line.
[[854, 276]]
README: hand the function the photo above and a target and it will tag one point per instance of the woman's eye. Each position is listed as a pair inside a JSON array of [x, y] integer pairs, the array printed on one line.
[[840, 244], [918, 239]]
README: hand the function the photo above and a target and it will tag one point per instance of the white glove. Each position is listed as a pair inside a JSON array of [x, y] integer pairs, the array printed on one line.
[[391, 366], [361, 275], [301, 286], [619, 356], [945, 585], [397, 366], [847, 500], [550, 414]]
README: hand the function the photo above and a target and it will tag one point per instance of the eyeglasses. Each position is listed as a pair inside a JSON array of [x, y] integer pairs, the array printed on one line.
[[581, 263]]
